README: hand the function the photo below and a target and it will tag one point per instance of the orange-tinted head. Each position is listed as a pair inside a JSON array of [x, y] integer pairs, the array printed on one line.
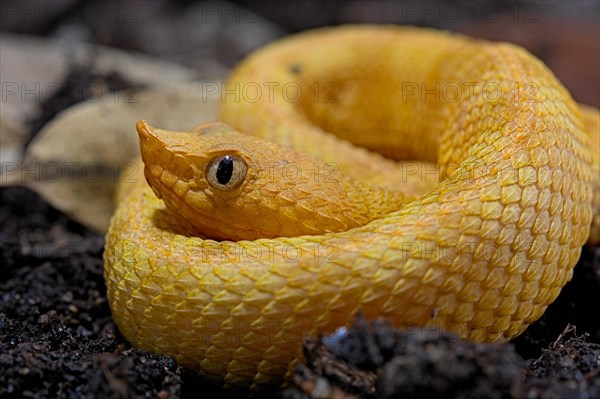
[[232, 186]]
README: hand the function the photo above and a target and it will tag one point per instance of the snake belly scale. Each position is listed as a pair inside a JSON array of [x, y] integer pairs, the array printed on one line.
[[482, 252]]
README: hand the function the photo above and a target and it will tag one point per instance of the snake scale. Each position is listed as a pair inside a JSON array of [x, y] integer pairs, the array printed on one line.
[[481, 251]]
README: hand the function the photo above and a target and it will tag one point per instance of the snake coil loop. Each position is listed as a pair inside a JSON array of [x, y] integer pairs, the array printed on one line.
[[481, 252]]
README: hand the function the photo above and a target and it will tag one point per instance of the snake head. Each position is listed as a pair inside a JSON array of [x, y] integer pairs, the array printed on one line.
[[198, 173], [232, 186], [180, 161]]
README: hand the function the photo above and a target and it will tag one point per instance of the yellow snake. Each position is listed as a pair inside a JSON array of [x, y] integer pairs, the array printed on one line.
[[481, 250]]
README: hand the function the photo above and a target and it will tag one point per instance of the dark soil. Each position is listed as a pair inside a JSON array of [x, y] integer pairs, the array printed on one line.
[[57, 338], [372, 360]]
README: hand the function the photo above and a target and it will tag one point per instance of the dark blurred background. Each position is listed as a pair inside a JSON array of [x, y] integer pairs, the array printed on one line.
[[208, 35]]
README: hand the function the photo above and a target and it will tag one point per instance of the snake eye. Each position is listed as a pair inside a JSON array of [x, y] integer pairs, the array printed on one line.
[[226, 172]]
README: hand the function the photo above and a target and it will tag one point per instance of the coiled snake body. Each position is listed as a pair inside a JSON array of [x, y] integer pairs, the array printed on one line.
[[481, 252]]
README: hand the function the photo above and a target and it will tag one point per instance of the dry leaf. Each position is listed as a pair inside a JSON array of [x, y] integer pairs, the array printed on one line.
[[33, 69], [75, 161]]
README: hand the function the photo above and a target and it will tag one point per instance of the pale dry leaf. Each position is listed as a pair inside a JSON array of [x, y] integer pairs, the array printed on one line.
[[33, 70], [75, 161]]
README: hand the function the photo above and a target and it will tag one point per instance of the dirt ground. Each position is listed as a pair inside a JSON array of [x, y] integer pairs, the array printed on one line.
[[57, 338]]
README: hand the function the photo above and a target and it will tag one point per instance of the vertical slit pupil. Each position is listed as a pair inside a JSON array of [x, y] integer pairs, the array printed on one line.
[[225, 170]]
